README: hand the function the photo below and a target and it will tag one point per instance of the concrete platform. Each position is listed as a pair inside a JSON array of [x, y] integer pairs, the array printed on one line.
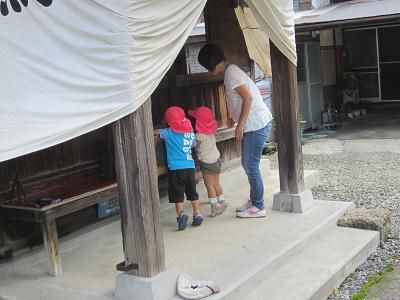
[[380, 123], [239, 254], [319, 268], [276, 247]]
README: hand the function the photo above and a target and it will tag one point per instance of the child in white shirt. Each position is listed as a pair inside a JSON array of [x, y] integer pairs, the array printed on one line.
[[209, 157]]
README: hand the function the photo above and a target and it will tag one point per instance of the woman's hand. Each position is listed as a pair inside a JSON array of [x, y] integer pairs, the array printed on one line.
[[239, 131], [230, 123], [245, 94]]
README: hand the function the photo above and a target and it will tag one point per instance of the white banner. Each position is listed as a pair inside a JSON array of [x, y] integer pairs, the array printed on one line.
[[69, 67], [276, 17], [75, 66]]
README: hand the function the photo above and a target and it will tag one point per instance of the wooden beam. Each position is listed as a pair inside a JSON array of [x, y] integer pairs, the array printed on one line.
[[138, 193], [51, 245], [286, 107]]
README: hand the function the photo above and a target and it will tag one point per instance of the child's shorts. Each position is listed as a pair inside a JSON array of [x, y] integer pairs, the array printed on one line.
[[213, 168], [182, 182]]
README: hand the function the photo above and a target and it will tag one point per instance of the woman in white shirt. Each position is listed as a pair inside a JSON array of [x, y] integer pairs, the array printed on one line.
[[253, 118]]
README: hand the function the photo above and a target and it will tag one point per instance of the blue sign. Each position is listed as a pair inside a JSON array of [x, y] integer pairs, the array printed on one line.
[[107, 208]]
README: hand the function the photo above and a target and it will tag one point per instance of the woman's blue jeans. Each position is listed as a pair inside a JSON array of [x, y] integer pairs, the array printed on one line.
[[252, 147]]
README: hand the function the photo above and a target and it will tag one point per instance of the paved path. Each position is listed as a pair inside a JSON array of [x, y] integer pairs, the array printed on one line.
[[382, 124], [332, 145]]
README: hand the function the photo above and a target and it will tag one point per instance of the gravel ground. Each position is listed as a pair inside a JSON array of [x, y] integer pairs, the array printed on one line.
[[369, 180]]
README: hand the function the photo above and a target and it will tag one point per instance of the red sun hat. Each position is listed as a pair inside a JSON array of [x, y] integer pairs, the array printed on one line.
[[175, 117], [205, 122]]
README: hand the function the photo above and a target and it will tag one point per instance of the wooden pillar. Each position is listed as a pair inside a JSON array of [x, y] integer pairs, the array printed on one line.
[[51, 245], [138, 193], [286, 108]]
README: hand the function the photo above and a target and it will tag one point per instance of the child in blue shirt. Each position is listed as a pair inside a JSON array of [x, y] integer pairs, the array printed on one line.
[[179, 140]]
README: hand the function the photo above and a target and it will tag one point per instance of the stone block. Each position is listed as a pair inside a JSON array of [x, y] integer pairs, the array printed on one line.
[[296, 203], [302, 201], [160, 287], [286, 202], [377, 219]]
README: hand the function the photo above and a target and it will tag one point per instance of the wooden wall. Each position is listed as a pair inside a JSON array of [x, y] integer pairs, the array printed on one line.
[[190, 93], [95, 150], [211, 95], [224, 30], [92, 149]]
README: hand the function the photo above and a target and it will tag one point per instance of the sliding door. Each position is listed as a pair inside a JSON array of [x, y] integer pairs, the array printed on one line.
[[362, 59], [389, 62]]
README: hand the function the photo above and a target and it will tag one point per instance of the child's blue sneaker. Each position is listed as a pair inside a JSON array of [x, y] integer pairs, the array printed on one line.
[[197, 219], [182, 221]]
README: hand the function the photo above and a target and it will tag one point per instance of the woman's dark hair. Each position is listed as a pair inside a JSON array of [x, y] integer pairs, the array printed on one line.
[[210, 56]]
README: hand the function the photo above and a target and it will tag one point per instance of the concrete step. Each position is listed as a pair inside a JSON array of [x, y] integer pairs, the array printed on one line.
[[267, 248], [319, 268]]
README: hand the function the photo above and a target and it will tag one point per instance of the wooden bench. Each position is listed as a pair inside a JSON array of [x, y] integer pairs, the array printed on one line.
[[77, 191], [48, 214]]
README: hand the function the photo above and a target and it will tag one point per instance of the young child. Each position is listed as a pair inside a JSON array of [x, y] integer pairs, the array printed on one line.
[[179, 140], [209, 157]]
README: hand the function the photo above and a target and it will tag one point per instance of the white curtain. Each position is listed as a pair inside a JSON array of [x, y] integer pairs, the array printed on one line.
[[276, 18], [257, 40], [74, 66], [158, 29]]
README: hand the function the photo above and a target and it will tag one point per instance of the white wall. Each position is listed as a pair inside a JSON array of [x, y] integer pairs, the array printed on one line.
[[328, 55], [326, 38]]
